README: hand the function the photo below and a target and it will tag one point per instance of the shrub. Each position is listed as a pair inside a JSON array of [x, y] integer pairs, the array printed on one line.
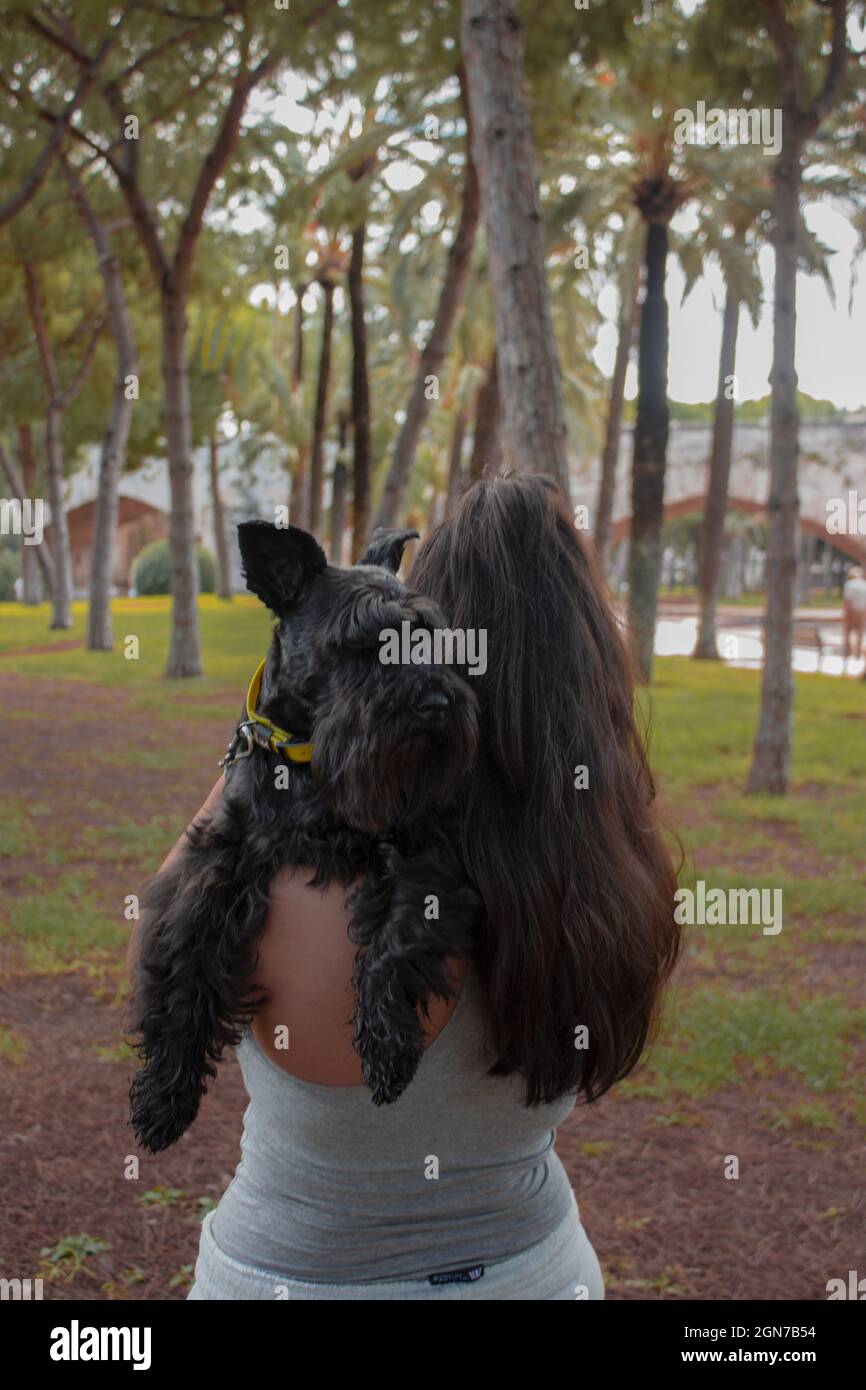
[[151, 572]]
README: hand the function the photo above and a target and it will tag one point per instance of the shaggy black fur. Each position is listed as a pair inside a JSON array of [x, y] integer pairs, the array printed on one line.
[[391, 746]]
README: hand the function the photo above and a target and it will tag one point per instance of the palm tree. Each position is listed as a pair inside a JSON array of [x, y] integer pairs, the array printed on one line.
[[630, 106], [627, 254], [771, 757], [656, 197], [362, 460], [331, 263], [731, 221]]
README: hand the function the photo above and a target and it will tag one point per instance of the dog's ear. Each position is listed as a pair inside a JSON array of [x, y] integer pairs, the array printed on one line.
[[278, 561], [386, 548]]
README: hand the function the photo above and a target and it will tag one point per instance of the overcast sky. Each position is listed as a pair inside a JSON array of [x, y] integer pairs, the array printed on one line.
[[831, 343]]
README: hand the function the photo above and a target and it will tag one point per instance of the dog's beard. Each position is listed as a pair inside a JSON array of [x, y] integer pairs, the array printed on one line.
[[385, 772]]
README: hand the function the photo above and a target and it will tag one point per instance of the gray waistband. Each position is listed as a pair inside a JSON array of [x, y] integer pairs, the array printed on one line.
[[561, 1267]]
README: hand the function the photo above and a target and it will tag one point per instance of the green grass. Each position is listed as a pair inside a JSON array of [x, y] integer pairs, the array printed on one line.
[[114, 1052], [135, 842], [833, 828], [55, 845], [12, 1048], [64, 927], [70, 1255], [716, 1038], [809, 1115], [18, 835], [702, 719], [162, 1197], [234, 638]]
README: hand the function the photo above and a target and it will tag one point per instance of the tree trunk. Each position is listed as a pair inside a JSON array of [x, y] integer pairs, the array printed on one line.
[[361, 461], [650, 454], [99, 633], [805, 561], [61, 596], [430, 363], [298, 491], [184, 658], [224, 568], [18, 489], [529, 372], [30, 587], [339, 492], [455, 462], [61, 599], [317, 452], [736, 582], [772, 749], [610, 455], [299, 509], [712, 534], [298, 343], [486, 459]]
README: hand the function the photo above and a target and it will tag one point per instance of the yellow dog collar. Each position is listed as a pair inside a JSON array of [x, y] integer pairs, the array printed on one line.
[[277, 740], [256, 729]]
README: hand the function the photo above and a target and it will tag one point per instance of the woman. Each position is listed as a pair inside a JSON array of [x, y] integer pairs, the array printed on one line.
[[455, 1191]]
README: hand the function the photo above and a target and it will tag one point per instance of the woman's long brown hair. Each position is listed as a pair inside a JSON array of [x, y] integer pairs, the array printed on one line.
[[578, 885]]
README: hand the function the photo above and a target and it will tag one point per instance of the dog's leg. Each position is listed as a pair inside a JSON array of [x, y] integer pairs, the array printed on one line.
[[201, 920], [406, 918]]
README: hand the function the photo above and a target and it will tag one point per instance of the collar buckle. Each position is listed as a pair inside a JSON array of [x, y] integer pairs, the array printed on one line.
[[241, 746], [260, 734]]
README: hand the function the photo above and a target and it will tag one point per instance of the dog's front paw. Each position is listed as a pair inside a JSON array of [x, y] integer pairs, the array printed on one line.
[[160, 1117], [389, 1042]]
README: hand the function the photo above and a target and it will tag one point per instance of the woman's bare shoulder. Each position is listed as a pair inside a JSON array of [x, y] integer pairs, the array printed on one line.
[[305, 970]]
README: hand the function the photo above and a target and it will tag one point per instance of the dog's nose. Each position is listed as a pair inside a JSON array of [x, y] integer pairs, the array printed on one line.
[[431, 702]]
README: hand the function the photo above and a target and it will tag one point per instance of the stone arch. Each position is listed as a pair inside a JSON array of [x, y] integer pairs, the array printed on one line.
[[138, 523], [852, 546]]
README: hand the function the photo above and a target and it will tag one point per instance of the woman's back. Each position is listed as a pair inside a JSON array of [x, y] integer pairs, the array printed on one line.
[[333, 1188]]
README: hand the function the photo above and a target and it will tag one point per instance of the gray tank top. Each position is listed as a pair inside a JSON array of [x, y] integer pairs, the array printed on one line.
[[333, 1188]]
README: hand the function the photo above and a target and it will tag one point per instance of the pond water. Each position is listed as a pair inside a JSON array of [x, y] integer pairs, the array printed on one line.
[[742, 645]]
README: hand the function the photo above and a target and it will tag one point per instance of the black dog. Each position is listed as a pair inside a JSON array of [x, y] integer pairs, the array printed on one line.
[[350, 766]]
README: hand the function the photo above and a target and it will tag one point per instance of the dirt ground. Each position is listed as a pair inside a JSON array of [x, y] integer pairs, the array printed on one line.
[[663, 1220]]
